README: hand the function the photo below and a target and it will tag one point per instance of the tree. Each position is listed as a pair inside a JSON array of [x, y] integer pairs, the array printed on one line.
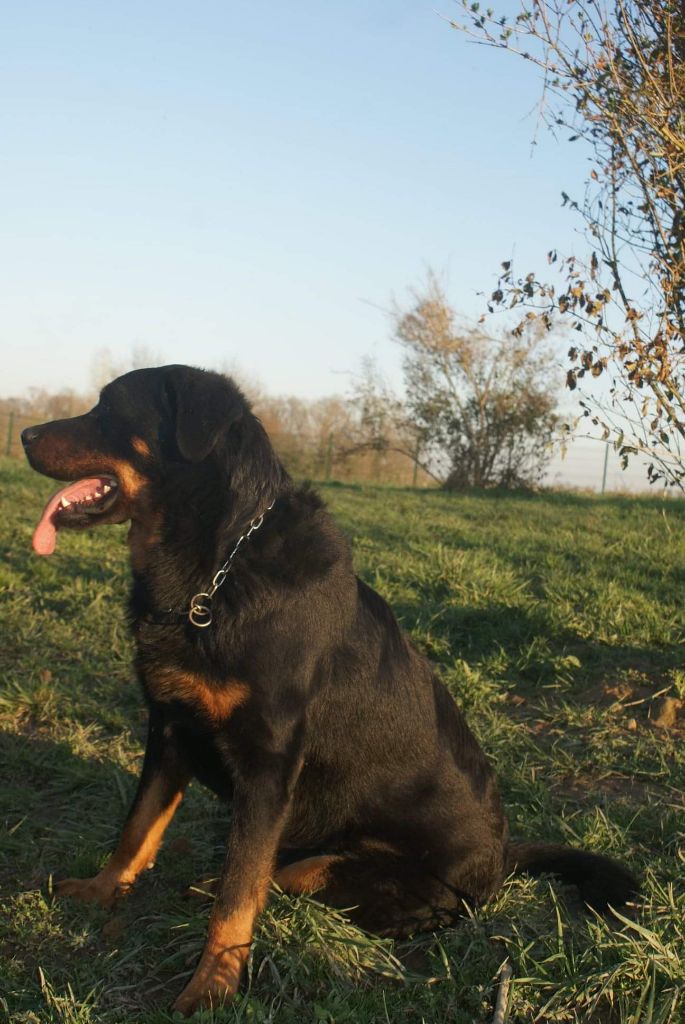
[[383, 429], [614, 77], [478, 410], [305, 433], [106, 366]]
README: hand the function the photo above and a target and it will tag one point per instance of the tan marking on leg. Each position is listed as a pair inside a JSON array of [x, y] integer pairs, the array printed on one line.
[[137, 848], [143, 835], [308, 875], [217, 975], [142, 447], [217, 701]]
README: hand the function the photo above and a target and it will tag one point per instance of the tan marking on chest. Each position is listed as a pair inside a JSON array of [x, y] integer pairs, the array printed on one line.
[[216, 701]]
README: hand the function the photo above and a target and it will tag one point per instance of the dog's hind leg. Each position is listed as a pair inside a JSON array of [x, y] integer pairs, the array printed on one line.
[[160, 790], [308, 875], [384, 892]]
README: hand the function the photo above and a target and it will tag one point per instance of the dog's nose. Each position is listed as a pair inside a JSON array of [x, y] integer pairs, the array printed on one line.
[[29, 435]]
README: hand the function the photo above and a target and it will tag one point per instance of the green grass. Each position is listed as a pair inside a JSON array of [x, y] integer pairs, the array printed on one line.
[[557, 621]]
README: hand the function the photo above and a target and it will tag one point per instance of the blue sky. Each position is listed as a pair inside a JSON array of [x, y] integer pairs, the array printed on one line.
[[241, 183]]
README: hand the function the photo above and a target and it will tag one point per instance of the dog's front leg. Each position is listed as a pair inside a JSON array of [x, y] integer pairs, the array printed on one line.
[[160, 790], [261, 801]]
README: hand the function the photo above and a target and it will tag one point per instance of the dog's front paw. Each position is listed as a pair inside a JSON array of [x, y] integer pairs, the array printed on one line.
[[215, 980], [87, 890]]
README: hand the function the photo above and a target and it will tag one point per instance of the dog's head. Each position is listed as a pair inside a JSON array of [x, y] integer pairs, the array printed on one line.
[[151, 431]]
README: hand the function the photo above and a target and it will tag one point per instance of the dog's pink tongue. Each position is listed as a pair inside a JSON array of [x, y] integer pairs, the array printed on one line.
[[45, 533]]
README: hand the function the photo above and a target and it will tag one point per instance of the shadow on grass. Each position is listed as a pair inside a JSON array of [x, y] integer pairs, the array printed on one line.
[[562, 498], [577, 499], [533, 649], [64, 813], [58, 804]]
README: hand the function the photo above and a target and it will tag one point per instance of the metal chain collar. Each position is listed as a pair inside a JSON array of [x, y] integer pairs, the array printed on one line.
[[200, 613]]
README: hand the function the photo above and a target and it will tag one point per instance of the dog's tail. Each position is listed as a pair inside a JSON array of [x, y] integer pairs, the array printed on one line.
[[602, 882]]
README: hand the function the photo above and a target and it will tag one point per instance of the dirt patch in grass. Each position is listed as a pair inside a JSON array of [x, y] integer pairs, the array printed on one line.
[[629, 789]]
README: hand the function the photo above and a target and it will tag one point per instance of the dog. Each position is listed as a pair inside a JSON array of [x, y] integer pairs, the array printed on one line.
[[281, 681]]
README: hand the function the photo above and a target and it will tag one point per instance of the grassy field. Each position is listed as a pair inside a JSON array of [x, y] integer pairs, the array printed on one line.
[[557, 622]]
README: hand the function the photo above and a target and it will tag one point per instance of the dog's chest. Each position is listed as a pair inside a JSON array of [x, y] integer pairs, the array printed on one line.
[[214, 700]]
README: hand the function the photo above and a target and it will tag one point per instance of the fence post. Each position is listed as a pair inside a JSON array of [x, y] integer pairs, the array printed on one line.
[[329, 458], [10, 431], [606, 463]]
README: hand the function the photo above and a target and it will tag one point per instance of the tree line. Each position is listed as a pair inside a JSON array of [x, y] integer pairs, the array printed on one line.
[[476, 410]]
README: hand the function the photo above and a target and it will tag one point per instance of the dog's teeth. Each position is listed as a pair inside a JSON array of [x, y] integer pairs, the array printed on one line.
[[65, 503], [98, 494], [88, 497], [106, 489]]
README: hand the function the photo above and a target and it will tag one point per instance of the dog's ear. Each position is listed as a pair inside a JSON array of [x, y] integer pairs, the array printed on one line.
[[204, 407]]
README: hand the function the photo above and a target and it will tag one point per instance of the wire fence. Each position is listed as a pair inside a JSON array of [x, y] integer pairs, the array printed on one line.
[[588, 465], [591, 465], [326, 458], [337, 456], [11, 425]]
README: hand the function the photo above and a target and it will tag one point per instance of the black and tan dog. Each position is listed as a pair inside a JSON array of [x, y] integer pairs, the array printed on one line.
[[293, 692]]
